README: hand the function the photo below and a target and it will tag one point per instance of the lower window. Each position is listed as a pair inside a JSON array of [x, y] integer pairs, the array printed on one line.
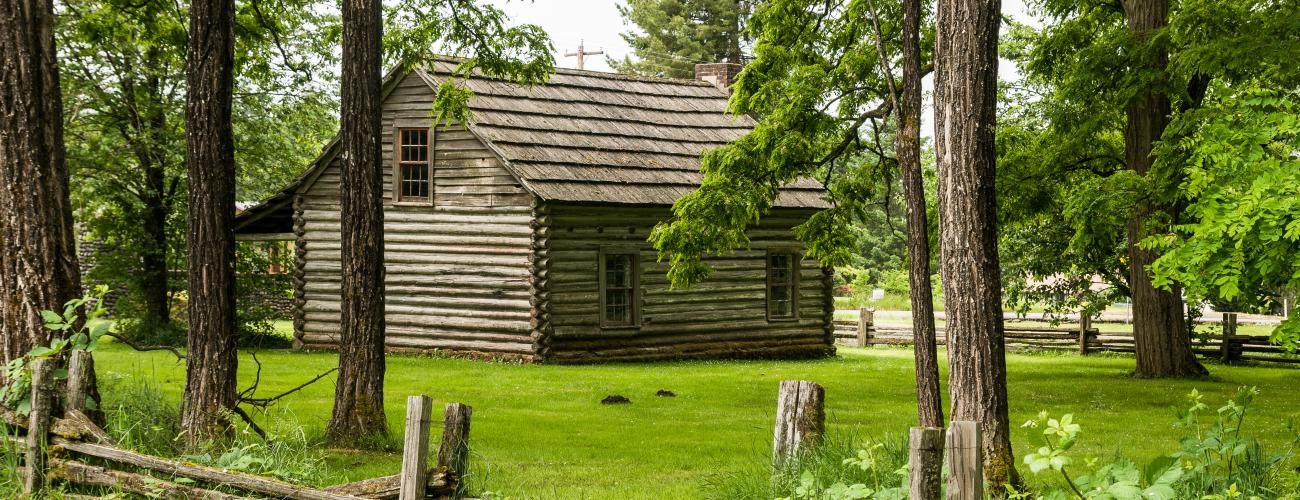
[[618, 289], [782, 285]]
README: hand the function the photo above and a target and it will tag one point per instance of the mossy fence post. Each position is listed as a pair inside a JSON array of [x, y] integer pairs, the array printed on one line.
[[800, 419], [925, 463], [453, 454], [38, 424]]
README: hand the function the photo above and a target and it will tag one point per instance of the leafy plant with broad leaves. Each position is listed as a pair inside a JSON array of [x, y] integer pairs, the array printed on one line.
[[1120, 479], [74, 331], [1215, 460]]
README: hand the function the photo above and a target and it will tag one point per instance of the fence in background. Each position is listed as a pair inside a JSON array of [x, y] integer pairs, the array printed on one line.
[[1227, 347]]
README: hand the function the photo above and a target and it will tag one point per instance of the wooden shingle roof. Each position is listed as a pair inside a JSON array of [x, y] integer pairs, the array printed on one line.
[[606, 138]]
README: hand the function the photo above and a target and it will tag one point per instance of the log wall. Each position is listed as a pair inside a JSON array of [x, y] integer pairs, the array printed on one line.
[[457, 273], [725, 316]]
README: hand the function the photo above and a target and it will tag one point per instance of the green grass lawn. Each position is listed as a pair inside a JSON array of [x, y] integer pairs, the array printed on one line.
[[539, 431]]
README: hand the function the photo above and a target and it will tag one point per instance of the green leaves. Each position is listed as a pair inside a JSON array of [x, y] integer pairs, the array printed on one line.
[[822, 103], [1240, 244]]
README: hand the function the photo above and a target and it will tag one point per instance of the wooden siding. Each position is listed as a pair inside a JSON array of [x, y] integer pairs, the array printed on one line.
[[725, 316], [457, 269]]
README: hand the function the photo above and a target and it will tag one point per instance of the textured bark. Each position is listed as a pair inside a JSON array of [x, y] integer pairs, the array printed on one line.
[[359, 393], [212, 358], [929, 401], [38, 258], [965, 120], [1162, 345]]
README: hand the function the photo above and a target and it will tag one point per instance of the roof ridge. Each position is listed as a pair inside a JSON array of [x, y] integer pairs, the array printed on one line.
[[599, 74]]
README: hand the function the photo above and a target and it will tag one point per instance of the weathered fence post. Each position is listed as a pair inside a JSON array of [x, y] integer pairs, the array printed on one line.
[[866, 321], [965, 462], [79, 366], [454, 451], [38, 424], [415, 448], [925, 459], [1229, 324], [800, 419], [1085, 324]]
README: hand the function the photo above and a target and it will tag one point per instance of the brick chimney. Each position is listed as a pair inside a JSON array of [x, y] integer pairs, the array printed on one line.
[[721, 75]]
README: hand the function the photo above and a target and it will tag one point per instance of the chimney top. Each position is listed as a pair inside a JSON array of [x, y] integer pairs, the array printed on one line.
[[721, 75]]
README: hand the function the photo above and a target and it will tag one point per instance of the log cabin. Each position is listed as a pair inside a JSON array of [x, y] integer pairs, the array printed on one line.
[[521, 234]]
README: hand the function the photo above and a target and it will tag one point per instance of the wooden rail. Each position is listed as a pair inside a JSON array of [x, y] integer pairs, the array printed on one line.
[[1083, 339]]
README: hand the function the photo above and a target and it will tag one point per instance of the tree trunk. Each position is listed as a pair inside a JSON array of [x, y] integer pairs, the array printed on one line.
[[153, 273], [38, 258], [154, 287], [1162, 345], [212, 358], [965, 120], [359, 393], [929, 401]]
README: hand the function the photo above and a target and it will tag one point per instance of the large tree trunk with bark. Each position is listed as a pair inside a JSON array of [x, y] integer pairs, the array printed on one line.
[[966, 65], [359, 393], [1161, 342], [38, 258], [929, 402], [210, 156]]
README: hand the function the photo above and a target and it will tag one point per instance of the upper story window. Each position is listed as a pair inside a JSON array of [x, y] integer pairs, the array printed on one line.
[[413, 175], [619, 280], [782, 285]]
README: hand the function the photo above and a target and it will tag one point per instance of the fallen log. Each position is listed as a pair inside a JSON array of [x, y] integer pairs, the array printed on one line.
[[244, 482], [388, 487], [140, 484]]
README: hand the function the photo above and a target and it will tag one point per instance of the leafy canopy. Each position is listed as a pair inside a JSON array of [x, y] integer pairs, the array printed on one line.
[[817, 88]]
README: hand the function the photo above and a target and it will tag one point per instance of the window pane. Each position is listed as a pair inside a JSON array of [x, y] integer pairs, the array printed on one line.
[[618, 271], [618, 306], [415, 144], [619, 292], [780, 285]]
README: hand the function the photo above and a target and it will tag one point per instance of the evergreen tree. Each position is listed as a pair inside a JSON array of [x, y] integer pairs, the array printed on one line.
[[675, 35]]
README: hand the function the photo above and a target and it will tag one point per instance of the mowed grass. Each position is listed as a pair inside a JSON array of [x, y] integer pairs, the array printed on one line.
[[539, 431]]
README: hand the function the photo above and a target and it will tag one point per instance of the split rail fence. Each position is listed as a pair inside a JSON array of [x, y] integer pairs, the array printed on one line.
[[1227, 347], [60, 444]]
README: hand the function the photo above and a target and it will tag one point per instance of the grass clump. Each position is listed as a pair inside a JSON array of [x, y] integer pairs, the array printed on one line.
[[841, 467]]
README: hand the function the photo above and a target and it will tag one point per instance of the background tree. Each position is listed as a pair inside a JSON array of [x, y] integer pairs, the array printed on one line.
[[1067, 156], [674, 35], [38, 259], [908, 144], [212, 358], [966, 61], [125, 90], [1236, 244], [824, 97]]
